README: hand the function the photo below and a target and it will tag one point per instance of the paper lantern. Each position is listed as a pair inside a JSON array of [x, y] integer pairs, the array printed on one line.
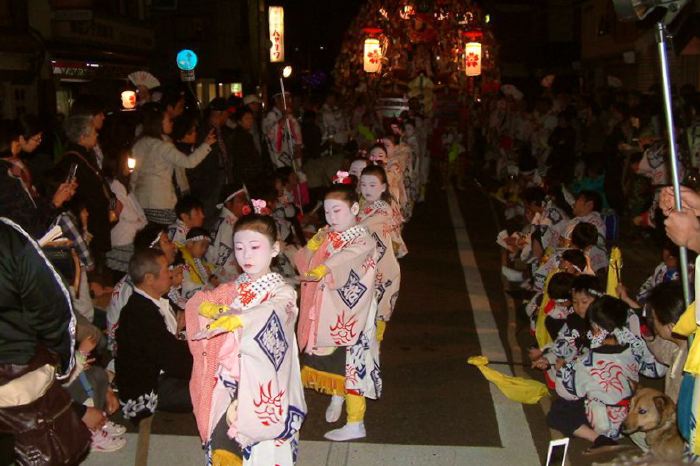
[[129, 100], [373, 55], [276, 21], [472, 58]]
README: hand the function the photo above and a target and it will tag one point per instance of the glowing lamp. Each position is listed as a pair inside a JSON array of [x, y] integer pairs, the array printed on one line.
[[128, 100], [286, 71], [186, 60], [472, 58], [131, 163], [276, 22]]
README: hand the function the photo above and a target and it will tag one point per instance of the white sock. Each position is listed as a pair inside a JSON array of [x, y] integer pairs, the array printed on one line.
[[350, 431], [335, 408]]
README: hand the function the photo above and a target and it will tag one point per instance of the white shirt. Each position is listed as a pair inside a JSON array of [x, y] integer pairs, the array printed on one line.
[[131, 219]]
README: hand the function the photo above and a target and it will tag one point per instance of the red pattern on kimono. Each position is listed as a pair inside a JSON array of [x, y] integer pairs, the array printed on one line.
[[379, 219], [344, 295]]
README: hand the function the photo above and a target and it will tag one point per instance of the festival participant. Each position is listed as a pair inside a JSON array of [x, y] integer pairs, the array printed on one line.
[[152, 365], [337, 329], [190, 214], [197, 272], [220, 253], [376, 214], [590, 406], [282, 132], [245, 386]]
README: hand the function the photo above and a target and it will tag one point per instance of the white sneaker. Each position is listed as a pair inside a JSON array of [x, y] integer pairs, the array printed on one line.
[[335, 408], [105, 443], [512, 275], [114, 430], [350, 431]]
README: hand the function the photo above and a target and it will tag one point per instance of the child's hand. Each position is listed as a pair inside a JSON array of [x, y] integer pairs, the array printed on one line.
[[87, 345], [541, 364], [94, 419], [622, 292], [534, 354], [559, 364], [111, 402]]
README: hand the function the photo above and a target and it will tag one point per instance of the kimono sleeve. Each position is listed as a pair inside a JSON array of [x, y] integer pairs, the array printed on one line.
[[648, 365], [352, 256], [269, 386], [571, 380]]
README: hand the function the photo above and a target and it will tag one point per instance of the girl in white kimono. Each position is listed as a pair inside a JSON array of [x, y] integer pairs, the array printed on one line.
[[246, 385], [377, 215], [596, 387], [337, 324]]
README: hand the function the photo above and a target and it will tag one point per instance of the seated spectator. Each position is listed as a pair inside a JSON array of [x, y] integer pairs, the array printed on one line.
[[585, 237], [153, 367], [198, 274], [155, 237], [586, 209], [220, 253], [667, 306], [190, 214]]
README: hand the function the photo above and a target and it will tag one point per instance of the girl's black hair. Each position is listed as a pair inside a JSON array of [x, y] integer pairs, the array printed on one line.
[[347, 192], [583, 235], [263, 224], [588, 284], [608, 313], [576, 257], [559, 286], [666, 301]]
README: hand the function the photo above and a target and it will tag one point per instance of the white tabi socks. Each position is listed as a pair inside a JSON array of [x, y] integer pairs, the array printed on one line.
[[335, 408], [350, 431]]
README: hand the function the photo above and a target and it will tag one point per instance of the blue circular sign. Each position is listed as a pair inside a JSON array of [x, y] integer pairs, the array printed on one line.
[[186, 60]]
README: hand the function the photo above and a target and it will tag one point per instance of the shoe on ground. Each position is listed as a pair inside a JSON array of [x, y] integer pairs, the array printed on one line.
[[104, 443], [350, 431], [115, 430], [335, 409]]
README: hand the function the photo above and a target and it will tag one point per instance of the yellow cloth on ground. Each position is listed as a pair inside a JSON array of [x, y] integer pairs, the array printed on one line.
[[614, 272], [355, 405], [541, 334], [518, 389]]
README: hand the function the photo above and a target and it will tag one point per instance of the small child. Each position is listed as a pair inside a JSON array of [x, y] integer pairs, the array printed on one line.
[[596, 387], [572, 338], [337, 322], [573, 261], [190, 214], [559, 306], [220, 253], [198, 274], [667, 306], [667, 271]]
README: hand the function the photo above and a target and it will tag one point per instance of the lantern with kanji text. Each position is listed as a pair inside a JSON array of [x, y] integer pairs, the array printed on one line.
[[276, 23]]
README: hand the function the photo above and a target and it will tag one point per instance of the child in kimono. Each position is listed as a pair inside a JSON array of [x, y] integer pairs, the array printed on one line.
[[220, 253], [376, 214], [190, 214], [572, 338], [595, 388], [246, 388], [337, 324], [197, 272]]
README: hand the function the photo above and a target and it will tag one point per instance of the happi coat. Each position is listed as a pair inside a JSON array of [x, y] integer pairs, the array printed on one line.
[[221, 252], [256, 367], [606, 376], [339, 311], [379, 219]]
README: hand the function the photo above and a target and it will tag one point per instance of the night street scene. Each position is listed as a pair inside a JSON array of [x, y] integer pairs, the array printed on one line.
[[349, 232]]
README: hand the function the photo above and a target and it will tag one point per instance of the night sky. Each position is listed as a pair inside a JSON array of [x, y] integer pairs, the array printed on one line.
[[312, 24]]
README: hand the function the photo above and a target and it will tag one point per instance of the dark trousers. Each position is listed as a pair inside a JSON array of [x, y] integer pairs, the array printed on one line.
[[174, 395]]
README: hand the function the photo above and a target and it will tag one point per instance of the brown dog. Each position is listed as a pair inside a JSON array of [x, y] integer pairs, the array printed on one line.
[[654, 413]]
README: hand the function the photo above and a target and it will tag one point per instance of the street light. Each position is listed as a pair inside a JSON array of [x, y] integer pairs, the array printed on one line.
[[286, 72]]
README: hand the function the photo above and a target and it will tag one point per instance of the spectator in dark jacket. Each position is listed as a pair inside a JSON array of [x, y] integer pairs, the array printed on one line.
[[147, 344], [248, 163], [93, 189]]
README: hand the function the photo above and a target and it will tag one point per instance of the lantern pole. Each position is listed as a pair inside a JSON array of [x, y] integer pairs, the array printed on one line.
[[673, 156], [286, 72]]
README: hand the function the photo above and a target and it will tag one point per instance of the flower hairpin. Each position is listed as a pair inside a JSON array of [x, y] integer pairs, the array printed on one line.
[[342, 177], [260, 207]]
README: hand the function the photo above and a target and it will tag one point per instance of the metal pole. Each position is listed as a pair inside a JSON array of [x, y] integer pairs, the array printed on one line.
[[673, 156], [291, 141]]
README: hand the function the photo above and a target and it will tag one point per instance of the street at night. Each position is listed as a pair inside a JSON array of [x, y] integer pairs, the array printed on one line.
[[349, 232]]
